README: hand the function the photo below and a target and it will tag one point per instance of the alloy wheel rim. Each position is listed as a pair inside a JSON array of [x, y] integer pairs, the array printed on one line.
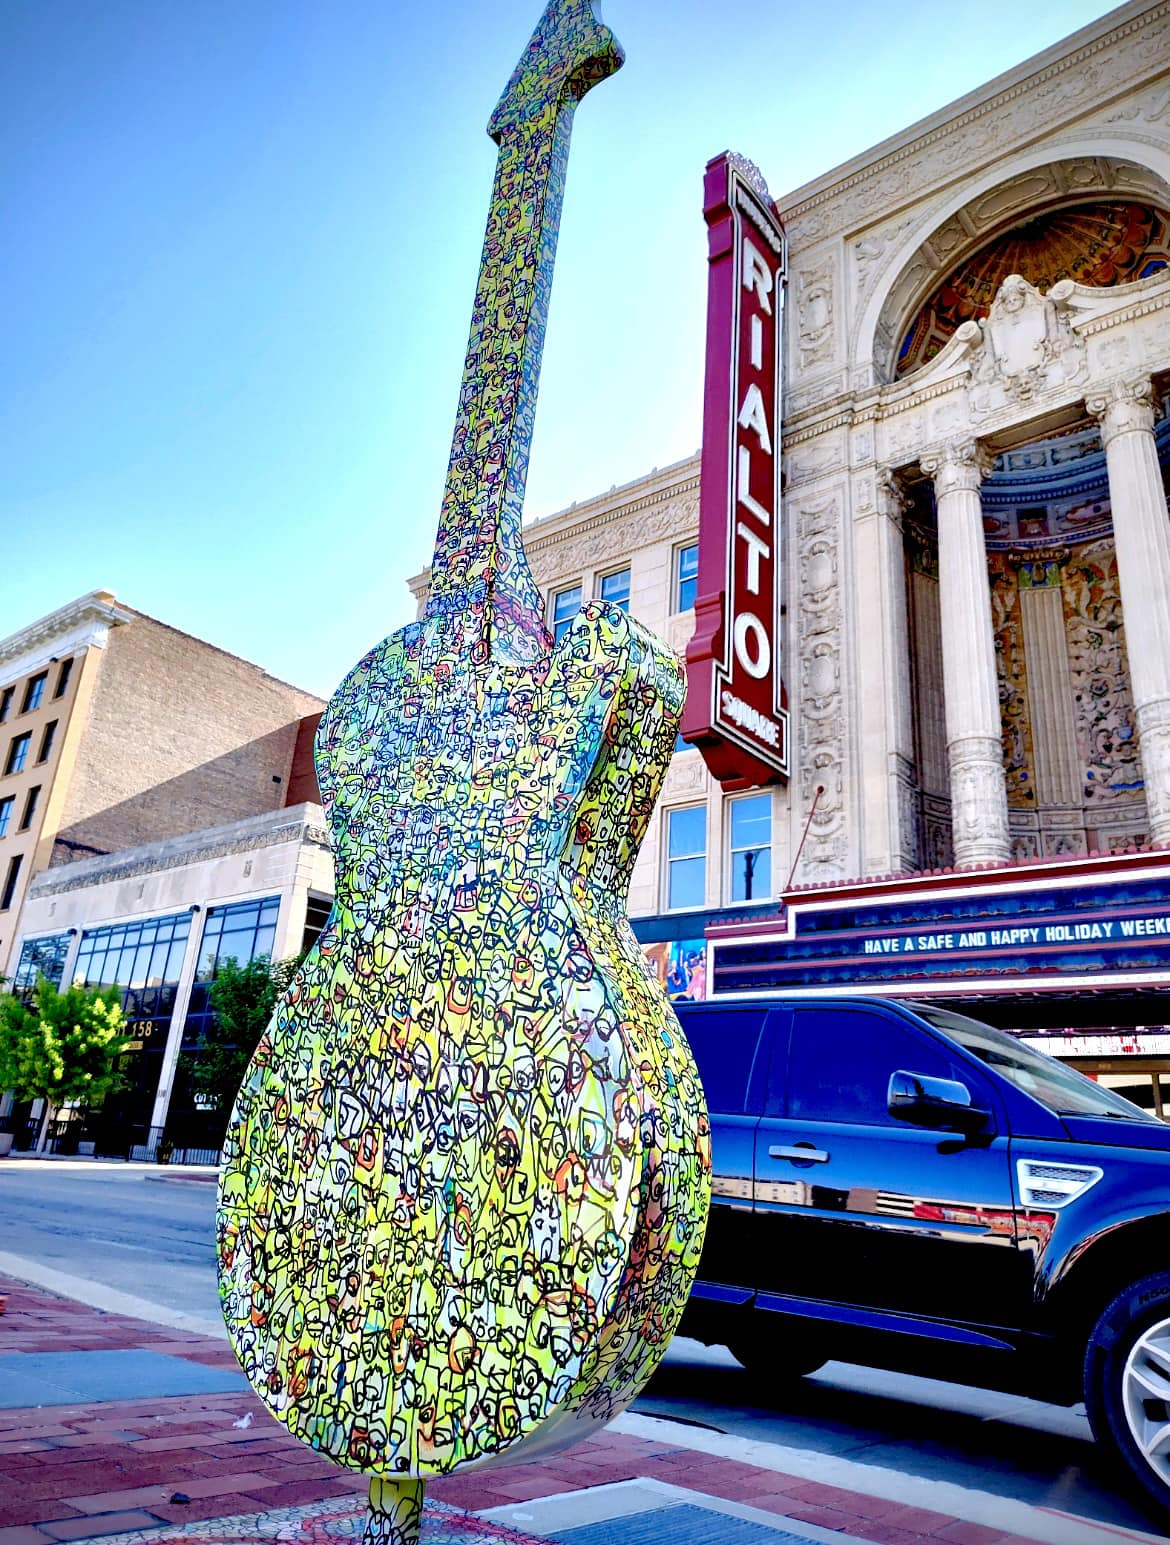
[[1146, 1397]]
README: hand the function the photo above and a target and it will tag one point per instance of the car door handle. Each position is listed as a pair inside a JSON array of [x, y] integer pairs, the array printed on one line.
[[807, 1155]]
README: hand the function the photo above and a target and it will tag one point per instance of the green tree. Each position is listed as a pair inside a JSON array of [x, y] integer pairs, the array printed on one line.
[[242, 1000], [63, 1046]]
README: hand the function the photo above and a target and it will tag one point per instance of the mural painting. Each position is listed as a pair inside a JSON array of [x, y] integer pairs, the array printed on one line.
[[466, 1181], [680, 966]]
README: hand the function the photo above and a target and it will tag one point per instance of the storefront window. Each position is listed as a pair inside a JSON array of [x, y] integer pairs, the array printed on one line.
[[40, 957], [239, 932]]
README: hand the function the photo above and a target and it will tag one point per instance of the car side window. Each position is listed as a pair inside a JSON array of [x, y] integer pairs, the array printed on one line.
[[724, 1042], [841, 1060]]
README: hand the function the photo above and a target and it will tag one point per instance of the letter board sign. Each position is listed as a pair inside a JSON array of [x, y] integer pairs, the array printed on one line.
[[735, 710]]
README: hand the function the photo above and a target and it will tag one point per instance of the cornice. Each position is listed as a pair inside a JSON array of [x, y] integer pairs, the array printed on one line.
[[179, 852], [970, 110], [98, 609]]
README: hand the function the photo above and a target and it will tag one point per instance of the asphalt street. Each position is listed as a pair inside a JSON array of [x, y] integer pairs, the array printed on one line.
[[147, 1233]]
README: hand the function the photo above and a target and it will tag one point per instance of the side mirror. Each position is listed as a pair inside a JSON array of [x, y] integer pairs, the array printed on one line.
[[942, 1103]]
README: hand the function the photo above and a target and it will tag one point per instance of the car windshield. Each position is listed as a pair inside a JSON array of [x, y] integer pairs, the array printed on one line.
[[1061, 1088]]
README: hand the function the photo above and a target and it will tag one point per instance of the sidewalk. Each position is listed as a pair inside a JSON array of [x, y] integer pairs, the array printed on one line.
[[117, 1430]]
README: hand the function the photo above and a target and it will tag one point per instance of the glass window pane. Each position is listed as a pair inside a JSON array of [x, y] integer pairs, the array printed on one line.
[[687, 882], [688, 831], [725, 1046], [688, 570], [751, 821], [841, 1060], [751, 878], [616, 588], [566, 605]]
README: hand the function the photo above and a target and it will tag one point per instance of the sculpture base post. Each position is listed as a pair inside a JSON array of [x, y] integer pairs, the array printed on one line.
[[395, 1515]]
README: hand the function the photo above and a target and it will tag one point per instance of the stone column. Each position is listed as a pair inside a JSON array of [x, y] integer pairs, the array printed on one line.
[[898, 711], [1141, 533], [979, 814]]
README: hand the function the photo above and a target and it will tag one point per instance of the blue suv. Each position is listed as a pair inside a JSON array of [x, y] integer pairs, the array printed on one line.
[[898, 1185]]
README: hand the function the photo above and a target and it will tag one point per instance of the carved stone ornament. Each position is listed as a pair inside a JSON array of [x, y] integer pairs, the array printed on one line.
[[1123, 407], [960, 465], [1028, 347], [814, 310]]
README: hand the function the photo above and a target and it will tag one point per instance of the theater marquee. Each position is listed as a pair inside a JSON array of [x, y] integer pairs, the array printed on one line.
[[735, 709]]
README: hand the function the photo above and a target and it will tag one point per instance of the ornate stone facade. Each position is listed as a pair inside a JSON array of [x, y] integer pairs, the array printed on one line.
[[965, 556]]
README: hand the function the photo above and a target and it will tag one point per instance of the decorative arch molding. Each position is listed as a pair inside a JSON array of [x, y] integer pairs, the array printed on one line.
[[898, 265]]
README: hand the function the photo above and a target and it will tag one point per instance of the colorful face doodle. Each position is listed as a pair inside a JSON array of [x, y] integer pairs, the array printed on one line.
[[466, 1181]]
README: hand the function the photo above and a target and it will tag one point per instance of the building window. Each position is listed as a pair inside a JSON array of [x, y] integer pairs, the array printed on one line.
[[686, 578], [63, 676], [750, 836], [34, 692], [6, 702], [686, 857], [616, 588], [316, 916], [10, 880], [565, 606], [143, 958], [47, 741], [40, 957], [6, 813], [30, 808], [18, 752], [240, 932]]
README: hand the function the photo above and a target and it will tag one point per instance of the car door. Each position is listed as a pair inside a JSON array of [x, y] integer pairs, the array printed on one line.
[[855, 1207], [726, 1041]]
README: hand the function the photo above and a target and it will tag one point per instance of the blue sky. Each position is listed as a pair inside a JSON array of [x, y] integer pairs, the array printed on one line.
[[239, 246]]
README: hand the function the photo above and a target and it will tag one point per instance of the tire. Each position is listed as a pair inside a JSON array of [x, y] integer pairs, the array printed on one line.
[[772, 1355], [1127, 1386]]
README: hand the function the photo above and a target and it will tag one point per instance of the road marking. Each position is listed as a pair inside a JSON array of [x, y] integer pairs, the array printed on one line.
[[963, 1502]]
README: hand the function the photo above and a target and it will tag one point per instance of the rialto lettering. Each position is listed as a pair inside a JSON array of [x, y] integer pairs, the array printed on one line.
[[750, 635], [735, 711]]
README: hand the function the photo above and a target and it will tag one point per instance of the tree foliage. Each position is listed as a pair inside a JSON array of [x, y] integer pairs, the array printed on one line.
[[242, 1000], [64, 1046]]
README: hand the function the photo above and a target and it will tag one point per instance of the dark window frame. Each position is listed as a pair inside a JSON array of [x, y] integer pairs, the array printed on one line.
[[7, 806], [6, 697], [48, 735], [18, 750], [34, 692], [30, 807], [64, 672], [10, 882]]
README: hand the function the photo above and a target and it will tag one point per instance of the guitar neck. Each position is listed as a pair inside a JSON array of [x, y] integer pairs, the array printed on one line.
[[479, 560]]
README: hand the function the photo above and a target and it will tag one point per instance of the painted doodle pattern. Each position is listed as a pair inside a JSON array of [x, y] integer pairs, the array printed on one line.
[[335, 1522], [466, 1181]]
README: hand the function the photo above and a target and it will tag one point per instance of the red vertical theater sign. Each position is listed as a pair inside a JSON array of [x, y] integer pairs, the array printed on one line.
[[735, 710]]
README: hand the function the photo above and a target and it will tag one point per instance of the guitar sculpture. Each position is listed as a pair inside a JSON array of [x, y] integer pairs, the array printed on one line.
[[465, 1184]]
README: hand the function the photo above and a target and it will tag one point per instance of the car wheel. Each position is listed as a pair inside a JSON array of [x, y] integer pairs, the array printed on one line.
[[1127, 1385], [771, 1354]]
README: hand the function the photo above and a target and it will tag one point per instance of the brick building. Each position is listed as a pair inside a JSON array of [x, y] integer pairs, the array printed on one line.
[[117, 730]]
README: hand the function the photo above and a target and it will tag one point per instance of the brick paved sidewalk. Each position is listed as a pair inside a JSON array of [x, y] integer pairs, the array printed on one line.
[[100, 1467]]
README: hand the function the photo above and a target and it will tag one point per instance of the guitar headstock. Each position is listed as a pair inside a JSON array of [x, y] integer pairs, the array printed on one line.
[[570, 51]]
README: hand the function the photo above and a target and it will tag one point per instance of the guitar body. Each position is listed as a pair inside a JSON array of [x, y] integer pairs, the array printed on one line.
[[467, 1177], [466, 1180]]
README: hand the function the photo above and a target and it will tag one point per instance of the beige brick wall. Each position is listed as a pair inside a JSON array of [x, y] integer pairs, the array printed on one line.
[[178, 735]]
